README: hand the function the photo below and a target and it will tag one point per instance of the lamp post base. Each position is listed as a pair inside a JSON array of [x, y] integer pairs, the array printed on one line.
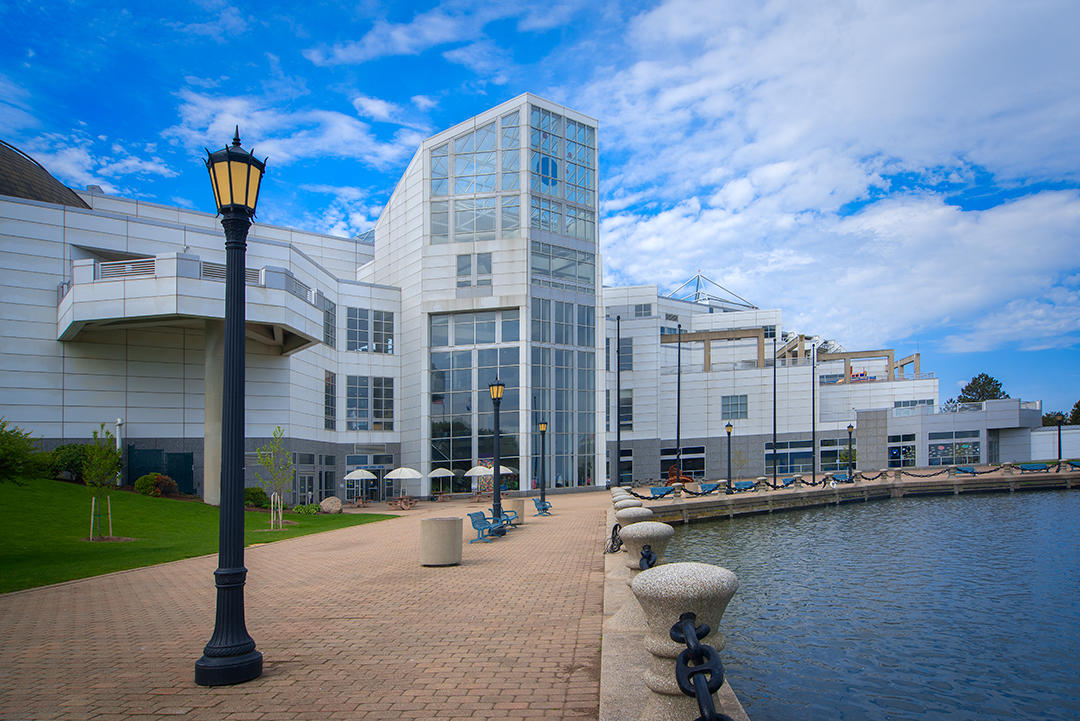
[[228, 670]]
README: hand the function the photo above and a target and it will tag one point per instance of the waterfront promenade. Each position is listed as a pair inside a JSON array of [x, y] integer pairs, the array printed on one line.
[[350, 625]]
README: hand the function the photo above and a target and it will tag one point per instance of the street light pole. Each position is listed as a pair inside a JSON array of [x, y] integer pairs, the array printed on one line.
[[850, 458], [813, 413], [729, 428], [774, 452], [618, 400], [678, 403], [543, 434], [496, 390], [230, 656]]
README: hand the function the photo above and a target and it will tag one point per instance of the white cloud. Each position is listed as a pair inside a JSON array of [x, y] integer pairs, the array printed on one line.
[[227, 22], [484, 58], [424, 102], [375, 108], [285, 136], [740, 135]]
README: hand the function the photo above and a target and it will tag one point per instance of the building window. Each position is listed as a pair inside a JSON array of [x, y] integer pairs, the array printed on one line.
[[382, 327], [953, 447], [563, 323], [382, 404], [733, 407], [541, 320], [789, 456], [668, 331], [770, 331], [330, 325], [467, 264], [440, 221], [571, 269], [671, 317], [474, 161], [327, 484], [901, 450], [545, 215], [511, 151], [626, 465], [586, 325], [913, 404], [440, 170], [642, 310], [626, 409], [580, 223], [693, 461], [510, 215], [356, 329], [330, 401], [357, 403], [510, 330], [474, 219], [626, 354]]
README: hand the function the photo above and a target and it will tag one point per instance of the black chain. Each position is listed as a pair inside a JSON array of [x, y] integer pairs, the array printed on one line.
[[650, 498], [698, 670], [615, 543], [925, 475], [648, 558]]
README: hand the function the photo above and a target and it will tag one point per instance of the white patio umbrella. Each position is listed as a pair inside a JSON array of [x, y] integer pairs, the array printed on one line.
[[404, 473], [360, 474], [441, 473], [476, 471]]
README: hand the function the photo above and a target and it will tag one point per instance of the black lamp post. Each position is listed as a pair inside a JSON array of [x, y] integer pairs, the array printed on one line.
[[729, 428], [230, 656], [678, 404], [850, 458], [496, 390], [543, 434]]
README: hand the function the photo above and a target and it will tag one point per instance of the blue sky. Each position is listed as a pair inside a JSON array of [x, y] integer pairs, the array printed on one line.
[[890, 174]]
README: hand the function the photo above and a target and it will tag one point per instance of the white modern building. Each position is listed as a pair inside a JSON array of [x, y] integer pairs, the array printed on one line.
[[377, 351]]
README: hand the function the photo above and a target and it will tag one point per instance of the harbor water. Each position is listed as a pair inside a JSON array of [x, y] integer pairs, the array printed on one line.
[[948, 607]]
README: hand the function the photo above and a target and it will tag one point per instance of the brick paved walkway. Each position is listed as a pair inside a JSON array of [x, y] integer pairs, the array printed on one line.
[[349, 623]]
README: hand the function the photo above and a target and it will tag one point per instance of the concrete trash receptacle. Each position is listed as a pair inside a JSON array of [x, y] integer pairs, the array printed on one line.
[[516, 505], [440, 541]]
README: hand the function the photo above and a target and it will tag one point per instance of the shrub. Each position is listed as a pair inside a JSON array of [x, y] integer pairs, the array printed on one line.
[[145, 484], [68, 460], [18, 453], [306, 509], [256, 497], [156, 484]]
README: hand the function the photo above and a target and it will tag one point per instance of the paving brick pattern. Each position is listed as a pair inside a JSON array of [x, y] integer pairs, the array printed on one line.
[[349, 623]]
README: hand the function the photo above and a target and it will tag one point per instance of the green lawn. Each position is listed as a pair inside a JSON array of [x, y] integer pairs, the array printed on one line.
[[45, 522]]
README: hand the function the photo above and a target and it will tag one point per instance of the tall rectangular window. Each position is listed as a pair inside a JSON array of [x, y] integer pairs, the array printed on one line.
[[564, 323], [511, 151], [382, 327], [733, 407], [330, 325], [440, 221], [357, 403], [545, 215], [382, 404], [510, 215], [440, 170], [510, 331], [626, 354], [642, 310], [464, 270], [356, 329], [626, 409], [330, 401], [541, 320], [586, 325]]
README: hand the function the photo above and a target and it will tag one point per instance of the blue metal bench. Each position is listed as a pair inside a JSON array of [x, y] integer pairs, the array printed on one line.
[[787, 482], [1034, 467], [543, 508], [1073, 465], [741, 486], [508, 516], [966, 470], [842, 478], [660, 491], [707, 488], [484, 526]]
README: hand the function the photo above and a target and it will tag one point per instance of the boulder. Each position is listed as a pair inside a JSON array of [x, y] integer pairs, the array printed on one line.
[[330, 504]]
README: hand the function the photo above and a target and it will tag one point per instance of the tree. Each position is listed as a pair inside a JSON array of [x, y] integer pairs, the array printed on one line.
[[1053, 418], [19, 456], [276, 460], [1074, 415], [100, 470], [982, 387]]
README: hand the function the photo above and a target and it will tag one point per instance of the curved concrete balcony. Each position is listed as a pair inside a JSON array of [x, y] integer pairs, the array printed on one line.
[[180, 290]]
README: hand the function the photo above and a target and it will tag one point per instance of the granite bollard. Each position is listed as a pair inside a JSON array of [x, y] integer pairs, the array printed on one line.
[[645, 533], [627, 503], [627, 516], [666, 592]]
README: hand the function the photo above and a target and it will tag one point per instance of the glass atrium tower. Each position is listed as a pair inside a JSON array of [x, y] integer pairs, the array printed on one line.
[[491, 236]]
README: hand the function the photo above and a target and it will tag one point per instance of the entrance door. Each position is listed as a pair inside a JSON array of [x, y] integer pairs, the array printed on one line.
[[305, 488]]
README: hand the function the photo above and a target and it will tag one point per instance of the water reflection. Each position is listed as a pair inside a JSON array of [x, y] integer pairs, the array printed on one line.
[[931, 608]]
